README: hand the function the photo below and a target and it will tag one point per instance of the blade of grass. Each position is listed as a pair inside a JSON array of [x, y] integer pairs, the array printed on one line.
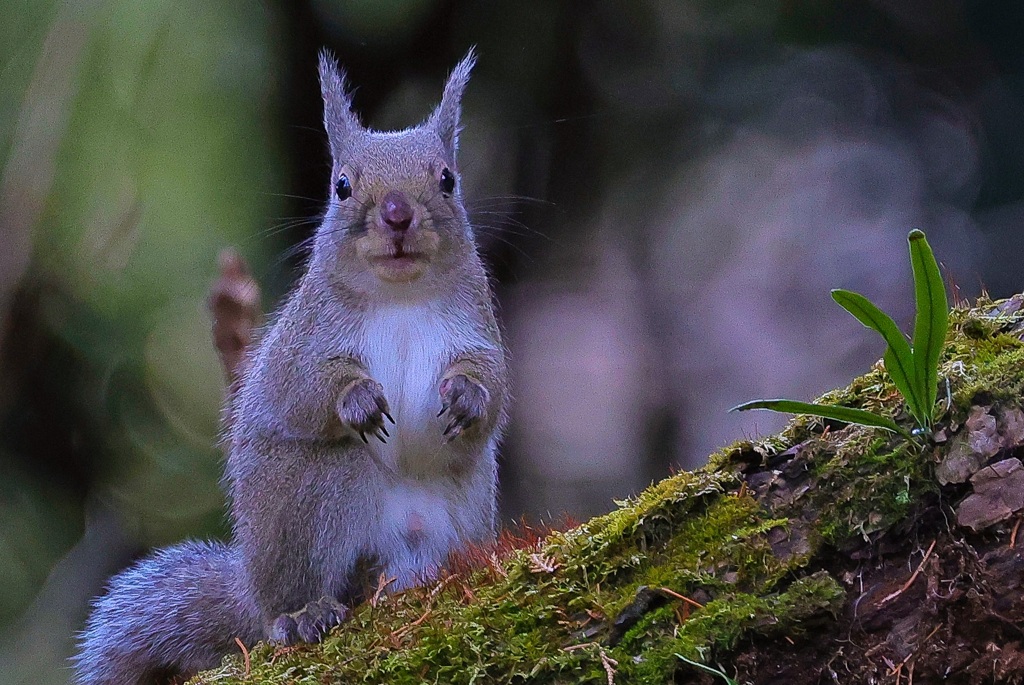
[[844, 414], [931, 320], [899, 358], [727, 679]]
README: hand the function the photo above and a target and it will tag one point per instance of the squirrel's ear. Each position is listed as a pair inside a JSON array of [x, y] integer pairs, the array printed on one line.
[[339, 120], [445, 119]]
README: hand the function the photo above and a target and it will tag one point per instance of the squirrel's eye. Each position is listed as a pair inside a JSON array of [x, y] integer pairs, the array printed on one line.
[[447, 182], [343, 188]]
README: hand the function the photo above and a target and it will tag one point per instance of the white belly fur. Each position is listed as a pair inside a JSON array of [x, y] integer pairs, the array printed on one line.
[[406, 349]]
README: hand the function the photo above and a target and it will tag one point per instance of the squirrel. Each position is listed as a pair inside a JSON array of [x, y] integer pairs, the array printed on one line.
[[362, 433]]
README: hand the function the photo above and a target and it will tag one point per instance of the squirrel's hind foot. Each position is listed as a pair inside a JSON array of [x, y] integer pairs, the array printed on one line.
[[309, 624]]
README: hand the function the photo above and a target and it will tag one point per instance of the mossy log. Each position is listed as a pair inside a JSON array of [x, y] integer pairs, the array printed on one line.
[[824, 554]]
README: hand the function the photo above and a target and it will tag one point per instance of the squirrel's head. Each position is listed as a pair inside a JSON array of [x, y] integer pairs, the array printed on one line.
[[395, 213]]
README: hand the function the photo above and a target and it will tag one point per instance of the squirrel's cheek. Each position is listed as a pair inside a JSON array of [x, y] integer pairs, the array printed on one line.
[[370, 244], [430, 241]]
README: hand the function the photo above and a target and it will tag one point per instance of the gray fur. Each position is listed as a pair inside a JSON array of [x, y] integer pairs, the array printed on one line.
[[340, 122], [317, 513], [177, 611], [445, 119]]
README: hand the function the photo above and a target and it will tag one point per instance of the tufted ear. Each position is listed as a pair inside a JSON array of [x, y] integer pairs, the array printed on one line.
[[445, 119], [339, 120]]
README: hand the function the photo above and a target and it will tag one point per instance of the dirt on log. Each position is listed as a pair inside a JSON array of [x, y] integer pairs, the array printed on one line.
[[824, 554]]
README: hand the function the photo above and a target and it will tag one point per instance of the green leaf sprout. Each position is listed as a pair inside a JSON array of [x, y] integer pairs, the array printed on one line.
[[912, 365]]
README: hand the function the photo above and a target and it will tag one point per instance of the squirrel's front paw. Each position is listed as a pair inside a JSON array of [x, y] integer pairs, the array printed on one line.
[[309, 624], [362, 408], [465, 402]]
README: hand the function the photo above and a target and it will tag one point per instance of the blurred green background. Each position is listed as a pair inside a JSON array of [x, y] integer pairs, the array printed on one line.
[[664, 191]]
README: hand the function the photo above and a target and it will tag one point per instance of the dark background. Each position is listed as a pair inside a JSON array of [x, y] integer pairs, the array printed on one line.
[[664, 190]]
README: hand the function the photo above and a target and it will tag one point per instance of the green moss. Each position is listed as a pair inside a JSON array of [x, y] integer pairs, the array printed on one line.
[[721, 548], [868, 483], [988, 371], [723, 622], [540, 616], [679, 534], [983, 357]]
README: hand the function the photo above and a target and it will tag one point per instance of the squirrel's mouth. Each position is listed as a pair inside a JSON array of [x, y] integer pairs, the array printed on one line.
[[400, 253], [398, 257], [399, 265]]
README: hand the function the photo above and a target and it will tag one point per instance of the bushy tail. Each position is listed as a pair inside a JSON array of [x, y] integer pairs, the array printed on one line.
[[177, 611]]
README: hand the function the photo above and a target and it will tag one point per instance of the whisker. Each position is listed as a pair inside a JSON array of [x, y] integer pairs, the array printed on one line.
[[521, 251], [302, 248], [503, 217], [297, 219], [306, 245], [352, 199], [511, 199], [278, 229], [289, 196], [509, 224], [300, 127]]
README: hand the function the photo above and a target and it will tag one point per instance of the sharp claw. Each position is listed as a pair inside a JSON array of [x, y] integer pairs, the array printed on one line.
[[451, 426], [380, 437], [389, 418], [385, 431], [444, 408], [363, 436]]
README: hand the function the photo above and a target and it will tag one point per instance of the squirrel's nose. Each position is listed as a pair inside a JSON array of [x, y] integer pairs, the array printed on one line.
[[396, 211]]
